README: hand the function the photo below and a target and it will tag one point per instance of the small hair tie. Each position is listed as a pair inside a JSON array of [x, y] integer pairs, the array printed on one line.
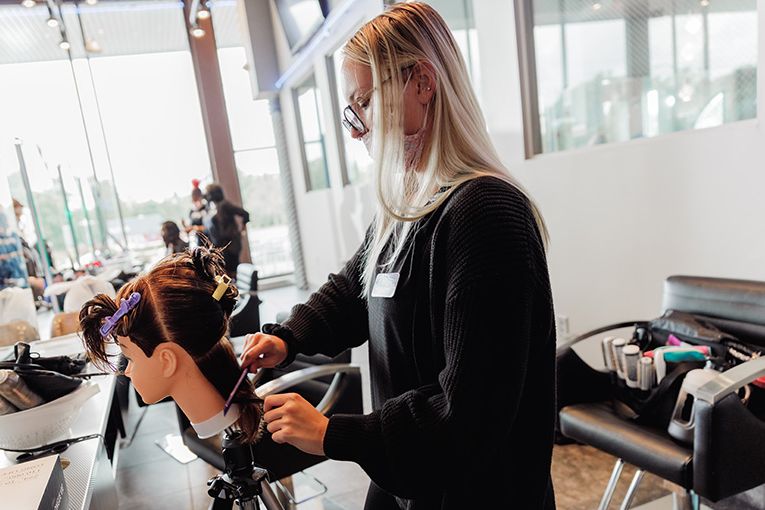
[[224, 281], [126, 305]]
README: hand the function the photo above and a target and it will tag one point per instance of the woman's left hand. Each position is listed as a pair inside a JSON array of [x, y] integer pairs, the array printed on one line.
[[292, 419]]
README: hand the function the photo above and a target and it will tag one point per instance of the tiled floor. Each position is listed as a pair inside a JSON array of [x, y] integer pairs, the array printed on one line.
[[148, 478]]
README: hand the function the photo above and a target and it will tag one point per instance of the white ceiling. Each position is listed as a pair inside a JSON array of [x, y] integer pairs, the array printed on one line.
[[121, 27]]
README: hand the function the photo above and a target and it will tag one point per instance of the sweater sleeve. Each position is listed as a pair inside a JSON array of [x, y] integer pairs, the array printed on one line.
[[483, 249], [333, 319]]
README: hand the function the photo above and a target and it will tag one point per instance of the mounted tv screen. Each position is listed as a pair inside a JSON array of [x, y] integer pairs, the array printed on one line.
[[301, 19]]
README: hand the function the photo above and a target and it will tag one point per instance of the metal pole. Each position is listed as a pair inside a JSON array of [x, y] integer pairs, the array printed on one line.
[[38, 229], [91, 238], [101, 125], [95, 190], [524, 31], [69, 216]]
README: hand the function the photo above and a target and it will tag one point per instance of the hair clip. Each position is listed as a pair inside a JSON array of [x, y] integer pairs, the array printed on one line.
[[223, 283], [126, 305]]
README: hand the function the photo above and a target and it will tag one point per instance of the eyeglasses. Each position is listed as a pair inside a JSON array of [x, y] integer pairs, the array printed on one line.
[[50, 449], [351, 120]]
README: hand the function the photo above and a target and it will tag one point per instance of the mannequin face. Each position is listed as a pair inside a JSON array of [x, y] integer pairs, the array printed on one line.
[[151, 376]]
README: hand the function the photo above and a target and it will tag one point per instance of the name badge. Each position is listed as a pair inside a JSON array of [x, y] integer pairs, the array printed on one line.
[[385, 285]]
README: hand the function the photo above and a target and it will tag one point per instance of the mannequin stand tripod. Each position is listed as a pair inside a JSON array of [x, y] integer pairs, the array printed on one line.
[[242, 481]]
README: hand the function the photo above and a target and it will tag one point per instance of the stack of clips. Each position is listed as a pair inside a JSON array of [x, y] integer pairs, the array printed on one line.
[[644, 370]]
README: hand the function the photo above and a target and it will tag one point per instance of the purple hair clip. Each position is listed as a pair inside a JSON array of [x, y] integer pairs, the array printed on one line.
[[126, 305]]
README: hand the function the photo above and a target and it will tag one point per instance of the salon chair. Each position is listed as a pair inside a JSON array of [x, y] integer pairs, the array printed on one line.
[[246, 315], [65, 323], [728, 453], [331, 384]]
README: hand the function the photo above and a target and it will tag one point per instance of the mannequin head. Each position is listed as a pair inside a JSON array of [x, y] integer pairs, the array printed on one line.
[[174, 338]]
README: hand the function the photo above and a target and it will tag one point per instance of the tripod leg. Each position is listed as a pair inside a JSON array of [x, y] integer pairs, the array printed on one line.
[[270, 501], [221, 504]]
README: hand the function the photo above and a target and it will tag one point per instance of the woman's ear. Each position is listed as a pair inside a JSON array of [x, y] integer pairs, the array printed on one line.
[[425, 81]]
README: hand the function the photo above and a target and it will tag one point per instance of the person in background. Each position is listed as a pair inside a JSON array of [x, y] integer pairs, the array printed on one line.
[[198, 210], [225, 226], [171, 236], [36, 275], [12, 266], [450, 289]]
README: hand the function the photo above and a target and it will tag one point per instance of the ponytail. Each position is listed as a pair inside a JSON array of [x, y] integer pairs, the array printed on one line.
[[92, 315]]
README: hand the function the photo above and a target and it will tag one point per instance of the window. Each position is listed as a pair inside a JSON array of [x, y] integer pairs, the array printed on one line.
[[115, 144], [609, 71], [311, 121], [255, 155]]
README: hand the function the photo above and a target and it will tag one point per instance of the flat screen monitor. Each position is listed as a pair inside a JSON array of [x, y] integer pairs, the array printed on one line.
[[301, 19]]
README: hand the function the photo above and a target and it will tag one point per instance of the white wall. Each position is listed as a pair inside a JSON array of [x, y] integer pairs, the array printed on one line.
[[622, 217]]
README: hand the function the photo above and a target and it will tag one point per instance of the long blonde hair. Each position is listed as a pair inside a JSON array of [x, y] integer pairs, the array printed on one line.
[[458, 149]]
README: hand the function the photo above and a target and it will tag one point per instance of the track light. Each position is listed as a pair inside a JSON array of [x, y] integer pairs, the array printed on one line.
[[64, 45], [203, 13], [92, 46], [197, 32], [52, 22], [28, 3]]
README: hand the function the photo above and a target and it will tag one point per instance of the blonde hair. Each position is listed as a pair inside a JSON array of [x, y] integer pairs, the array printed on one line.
[[458, 149]]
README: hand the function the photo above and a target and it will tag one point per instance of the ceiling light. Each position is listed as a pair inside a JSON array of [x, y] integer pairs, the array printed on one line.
[[91, 2], [92, 46], [64, 45], [704, 3], [596, 6], [52, 22], [197, 32], [203, 13], [28, 3]]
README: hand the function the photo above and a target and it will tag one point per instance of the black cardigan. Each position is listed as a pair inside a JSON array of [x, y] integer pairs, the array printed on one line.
[[464, 397]]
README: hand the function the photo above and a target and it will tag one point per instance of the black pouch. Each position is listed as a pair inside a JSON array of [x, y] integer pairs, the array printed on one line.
[[50, 384]]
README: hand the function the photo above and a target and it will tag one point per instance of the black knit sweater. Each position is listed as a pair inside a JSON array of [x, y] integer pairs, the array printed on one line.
[[462, 358]]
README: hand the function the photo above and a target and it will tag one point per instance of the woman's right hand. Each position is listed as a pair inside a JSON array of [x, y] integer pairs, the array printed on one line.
[[263, 351]]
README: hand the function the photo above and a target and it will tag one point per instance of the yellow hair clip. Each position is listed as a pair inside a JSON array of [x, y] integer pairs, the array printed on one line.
[[223, 283]]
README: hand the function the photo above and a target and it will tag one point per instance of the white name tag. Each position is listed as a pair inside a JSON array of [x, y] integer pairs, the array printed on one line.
[[385, 285]]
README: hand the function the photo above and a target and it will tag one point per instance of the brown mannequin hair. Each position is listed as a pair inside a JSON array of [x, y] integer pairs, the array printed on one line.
[[177, 306]]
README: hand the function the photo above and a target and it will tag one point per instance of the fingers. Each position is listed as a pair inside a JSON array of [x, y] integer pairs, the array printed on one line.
[[274, 401], [278, 415], [257, 348], [263, 351]]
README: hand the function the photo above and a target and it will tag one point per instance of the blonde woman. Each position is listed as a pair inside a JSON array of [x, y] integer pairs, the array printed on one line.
[[450, 288]]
